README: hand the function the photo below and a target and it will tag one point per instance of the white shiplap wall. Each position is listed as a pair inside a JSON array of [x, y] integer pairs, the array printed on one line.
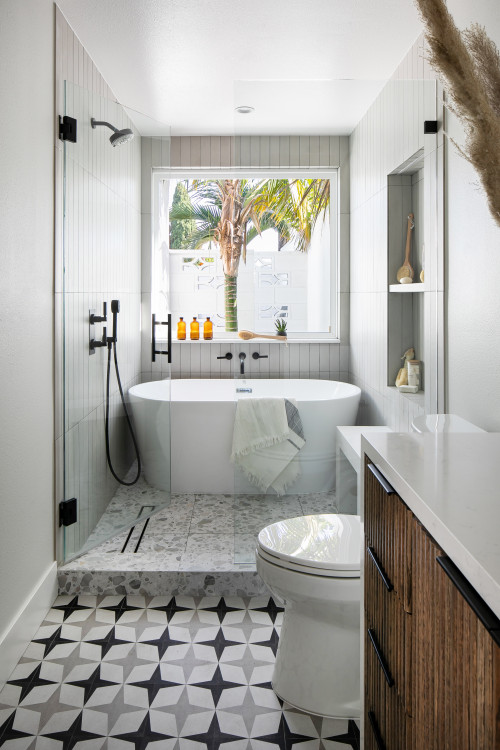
[[191, 360], [100, 251], [389, 134]]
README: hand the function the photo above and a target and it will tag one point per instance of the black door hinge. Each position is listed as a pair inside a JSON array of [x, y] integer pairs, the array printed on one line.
[[67, 512], [67, 129]]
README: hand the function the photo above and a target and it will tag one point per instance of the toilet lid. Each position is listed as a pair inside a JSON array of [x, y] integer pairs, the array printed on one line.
[[327, 542]]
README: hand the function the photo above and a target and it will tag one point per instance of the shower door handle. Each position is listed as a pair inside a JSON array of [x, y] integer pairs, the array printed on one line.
[[154, 350]]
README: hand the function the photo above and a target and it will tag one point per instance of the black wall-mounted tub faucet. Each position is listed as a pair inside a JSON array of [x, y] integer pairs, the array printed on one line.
[[243, 357]]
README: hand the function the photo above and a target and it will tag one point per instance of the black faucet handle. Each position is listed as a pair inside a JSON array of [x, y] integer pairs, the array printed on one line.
[[99, 318], [256, 355], [227, 355], [242, 356]]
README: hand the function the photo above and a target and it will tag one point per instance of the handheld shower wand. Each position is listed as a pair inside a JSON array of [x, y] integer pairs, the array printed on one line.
[[115, 309]]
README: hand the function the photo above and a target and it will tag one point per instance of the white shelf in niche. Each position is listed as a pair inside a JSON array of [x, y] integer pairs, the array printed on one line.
[[407, 288], [416, 398]]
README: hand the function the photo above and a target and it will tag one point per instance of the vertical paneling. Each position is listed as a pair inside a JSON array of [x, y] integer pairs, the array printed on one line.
[[389, 134]]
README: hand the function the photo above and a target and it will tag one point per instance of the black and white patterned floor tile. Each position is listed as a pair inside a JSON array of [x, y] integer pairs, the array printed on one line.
[[125, 673]]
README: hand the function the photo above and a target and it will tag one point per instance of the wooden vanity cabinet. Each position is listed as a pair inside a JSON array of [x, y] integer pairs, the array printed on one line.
[[456, 656], [432, 653]]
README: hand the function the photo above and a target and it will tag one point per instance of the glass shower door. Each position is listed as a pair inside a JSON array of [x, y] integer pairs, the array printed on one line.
[[102, 265]]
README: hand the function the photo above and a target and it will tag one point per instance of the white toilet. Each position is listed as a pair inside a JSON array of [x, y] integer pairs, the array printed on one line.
[[312, 563]]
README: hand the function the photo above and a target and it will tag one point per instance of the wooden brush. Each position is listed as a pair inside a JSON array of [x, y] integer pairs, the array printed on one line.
[[405, 273], [247, 335]]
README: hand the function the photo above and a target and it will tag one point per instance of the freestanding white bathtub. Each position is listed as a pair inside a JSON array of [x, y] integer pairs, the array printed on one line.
[[185, 430]]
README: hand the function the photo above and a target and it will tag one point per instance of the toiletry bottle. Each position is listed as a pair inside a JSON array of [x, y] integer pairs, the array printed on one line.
[[194, 330], [181, 329], [208, 330]]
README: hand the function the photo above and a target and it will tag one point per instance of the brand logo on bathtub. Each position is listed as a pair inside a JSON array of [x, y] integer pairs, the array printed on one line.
[[243, 390]]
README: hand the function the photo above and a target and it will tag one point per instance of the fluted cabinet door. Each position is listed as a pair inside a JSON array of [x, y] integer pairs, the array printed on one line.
[[456, 661]]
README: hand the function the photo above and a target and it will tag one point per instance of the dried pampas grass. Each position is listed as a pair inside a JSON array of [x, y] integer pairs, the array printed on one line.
[[469, 64]]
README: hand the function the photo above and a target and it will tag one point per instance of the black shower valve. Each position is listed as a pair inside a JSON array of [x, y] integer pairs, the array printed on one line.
[[100, 318], [94, 343]]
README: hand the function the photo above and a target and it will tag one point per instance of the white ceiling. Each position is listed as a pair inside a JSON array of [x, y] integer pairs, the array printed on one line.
[[308, 67]]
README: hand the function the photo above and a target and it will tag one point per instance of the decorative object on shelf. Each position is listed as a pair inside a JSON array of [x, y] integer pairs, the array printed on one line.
[[280, 326], [413, 366], [181, 330], [469, 63], [423, 264], [402, 376], [405, 273], [194, 330], [247, 335], [208, 329]]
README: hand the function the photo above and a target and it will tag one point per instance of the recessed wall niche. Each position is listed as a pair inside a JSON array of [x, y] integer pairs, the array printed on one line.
[[405, 195]]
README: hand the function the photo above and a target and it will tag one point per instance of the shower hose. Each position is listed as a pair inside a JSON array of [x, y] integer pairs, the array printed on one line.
[[112, 345]]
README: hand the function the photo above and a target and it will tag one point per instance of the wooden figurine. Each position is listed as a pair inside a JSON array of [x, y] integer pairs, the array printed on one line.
[[402, 376]]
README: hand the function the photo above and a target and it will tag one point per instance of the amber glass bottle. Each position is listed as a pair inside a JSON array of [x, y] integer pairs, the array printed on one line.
[[208, 330], [181, 329], [194, 330]]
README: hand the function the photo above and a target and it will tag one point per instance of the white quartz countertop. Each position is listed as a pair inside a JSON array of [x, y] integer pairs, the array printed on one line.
[[451, 482]]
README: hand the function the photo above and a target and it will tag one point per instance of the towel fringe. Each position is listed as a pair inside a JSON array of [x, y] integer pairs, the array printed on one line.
[[293, 471], [254, 479], [265, 442]]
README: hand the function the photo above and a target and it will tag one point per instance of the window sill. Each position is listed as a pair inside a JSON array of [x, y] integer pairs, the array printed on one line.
[[237, 340]]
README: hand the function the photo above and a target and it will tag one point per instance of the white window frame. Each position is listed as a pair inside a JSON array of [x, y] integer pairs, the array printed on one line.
[[332, 174]]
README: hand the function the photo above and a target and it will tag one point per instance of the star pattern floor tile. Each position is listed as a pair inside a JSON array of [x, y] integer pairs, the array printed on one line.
[[173, 673]]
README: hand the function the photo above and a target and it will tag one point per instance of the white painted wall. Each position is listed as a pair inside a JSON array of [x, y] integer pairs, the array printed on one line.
[[26, 294], [473, 269]]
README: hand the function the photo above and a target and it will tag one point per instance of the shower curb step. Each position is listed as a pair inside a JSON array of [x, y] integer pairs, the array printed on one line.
[[160, 583]]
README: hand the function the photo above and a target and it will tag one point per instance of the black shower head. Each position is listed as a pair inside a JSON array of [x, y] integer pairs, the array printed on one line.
[[119, 136]]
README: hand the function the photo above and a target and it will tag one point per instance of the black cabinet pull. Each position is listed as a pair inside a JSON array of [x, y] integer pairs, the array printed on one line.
[[380, 657], [469, 593], [381, 571], [376, 731], [381, 480]]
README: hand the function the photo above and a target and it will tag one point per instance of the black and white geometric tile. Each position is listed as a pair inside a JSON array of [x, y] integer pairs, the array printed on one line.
[[172, 673]]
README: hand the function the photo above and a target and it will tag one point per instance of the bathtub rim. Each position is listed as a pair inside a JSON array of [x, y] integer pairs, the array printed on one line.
[[347, 390]]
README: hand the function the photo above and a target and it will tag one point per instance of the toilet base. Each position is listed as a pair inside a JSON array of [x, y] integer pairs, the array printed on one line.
[[354, 717], [317, 667]]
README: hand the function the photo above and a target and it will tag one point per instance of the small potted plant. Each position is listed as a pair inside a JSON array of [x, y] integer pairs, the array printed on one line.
[[280, 327]]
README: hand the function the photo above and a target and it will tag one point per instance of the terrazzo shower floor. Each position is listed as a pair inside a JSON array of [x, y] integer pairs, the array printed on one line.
[[197, 545]]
